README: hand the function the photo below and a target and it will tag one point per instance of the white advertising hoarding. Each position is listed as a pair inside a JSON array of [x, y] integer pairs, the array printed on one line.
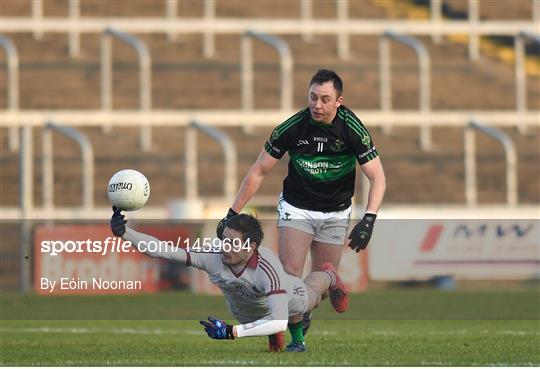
[[491, 249]]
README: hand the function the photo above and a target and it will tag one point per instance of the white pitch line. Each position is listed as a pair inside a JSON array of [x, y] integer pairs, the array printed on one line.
[[93, 330], [79, 330], [452, 333]]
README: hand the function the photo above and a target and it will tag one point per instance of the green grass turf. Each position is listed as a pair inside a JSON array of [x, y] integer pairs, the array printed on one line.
[[347, 340]]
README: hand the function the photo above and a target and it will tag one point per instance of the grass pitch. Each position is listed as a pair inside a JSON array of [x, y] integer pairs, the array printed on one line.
[[359, 337]]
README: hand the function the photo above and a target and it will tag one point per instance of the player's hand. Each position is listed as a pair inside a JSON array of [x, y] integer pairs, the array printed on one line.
[[361, 233], [118, 223], [218, 329], [221, 225]]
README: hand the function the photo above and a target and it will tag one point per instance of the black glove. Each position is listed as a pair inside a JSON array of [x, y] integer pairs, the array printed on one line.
[[218, 329], [361, 233], [222, 223], [118, 223]]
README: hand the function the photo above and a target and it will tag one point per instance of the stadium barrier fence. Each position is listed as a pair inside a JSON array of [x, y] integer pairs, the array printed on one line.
[[342, 26], [424, 77], [12, 86], [246, 65], [521, 78], [145, 78], [470, 162]]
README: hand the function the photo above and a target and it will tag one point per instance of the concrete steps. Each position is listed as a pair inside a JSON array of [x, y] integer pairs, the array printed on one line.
[[413, 176], [183, 79]]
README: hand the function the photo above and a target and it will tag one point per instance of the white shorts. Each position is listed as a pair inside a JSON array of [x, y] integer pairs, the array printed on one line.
[[298, 295], [328, 227]]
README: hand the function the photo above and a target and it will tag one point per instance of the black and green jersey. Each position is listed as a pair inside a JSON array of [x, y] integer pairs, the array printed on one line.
[[322, 165]]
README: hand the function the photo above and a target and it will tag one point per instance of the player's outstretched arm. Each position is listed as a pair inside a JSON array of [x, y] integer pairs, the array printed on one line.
[[274, 323], [253, 179], [251, 183], [142, 241]]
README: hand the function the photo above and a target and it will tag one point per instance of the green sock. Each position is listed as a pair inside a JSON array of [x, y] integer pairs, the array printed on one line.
[[297, 331]]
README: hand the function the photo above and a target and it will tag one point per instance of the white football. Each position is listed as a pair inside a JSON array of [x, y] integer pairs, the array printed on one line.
[[128, 190]]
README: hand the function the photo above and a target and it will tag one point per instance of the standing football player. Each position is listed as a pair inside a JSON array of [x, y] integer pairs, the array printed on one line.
[[324, 141], [259, 294]]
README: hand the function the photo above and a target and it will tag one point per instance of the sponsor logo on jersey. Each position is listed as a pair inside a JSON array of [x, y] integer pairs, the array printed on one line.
[[314, 168], [338, 146], [302, 142], [365, 140]]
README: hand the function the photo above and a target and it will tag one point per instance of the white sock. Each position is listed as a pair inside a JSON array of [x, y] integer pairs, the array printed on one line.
[[333, 280]]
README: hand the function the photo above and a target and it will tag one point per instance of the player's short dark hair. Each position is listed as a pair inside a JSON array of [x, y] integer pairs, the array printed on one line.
[[326, 75], [248, 225]]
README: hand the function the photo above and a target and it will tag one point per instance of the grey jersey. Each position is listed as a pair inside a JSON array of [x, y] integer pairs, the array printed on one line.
[[247, 291]]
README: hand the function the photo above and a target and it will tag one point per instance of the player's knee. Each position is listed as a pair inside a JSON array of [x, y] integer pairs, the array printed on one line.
[[292, 269]]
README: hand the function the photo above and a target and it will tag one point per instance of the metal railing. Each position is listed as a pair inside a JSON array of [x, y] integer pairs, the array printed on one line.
[[260, 118], [342, 26], [435, 8], [286, 63], [12, 86], [306, 15], [87, 165], [74, 17], [471, 189], [172, 10], [473, 11], [26, 210], [229, 154], [209, 44], [37, 19], [474, 38], [74, 35], [145, 77], [344, 50], [473, 18], [424, 70], [342, 12], [26, 198], [521, 77], [268, 25]]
